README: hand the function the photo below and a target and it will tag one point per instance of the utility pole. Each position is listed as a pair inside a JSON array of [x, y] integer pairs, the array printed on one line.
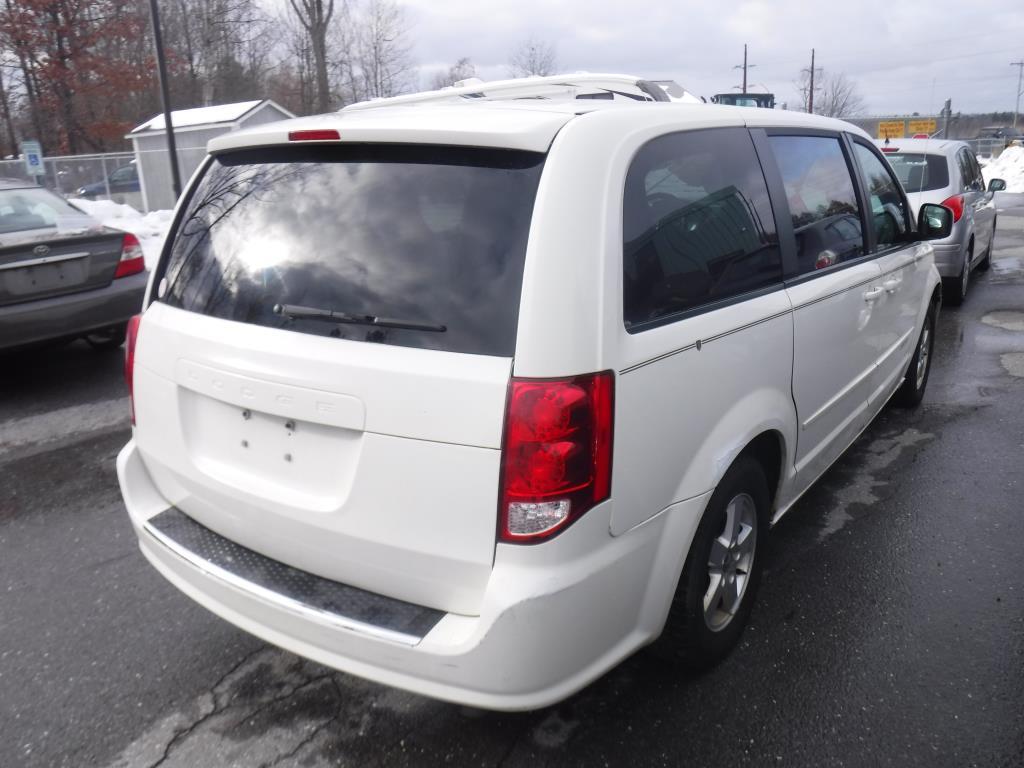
[[1020, 74], [165, 98], [810, 93], [947, 110], [744, 67]]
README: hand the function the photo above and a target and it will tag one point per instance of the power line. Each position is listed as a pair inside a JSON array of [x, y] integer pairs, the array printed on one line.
[[1020, 74]]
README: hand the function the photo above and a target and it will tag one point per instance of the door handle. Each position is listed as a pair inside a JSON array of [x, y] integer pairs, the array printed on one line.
[[873, 293], [891, 285]]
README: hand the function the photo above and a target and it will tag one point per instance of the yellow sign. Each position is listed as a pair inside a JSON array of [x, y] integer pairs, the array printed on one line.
[[923, 125], [891, 129]]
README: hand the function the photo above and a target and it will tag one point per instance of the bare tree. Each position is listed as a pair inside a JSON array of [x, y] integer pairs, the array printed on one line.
[[220, 45], [315, 17], [462, 69], [385, 65], [840, 97], [533, 56], [835, 95]]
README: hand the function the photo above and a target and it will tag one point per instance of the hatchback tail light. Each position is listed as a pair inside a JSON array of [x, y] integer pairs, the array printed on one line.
[[129, 361], [132, 261], [556, 458], [956, 205]]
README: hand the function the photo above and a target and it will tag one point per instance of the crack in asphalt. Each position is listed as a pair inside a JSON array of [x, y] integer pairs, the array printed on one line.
[[183, 733], [305, 741]]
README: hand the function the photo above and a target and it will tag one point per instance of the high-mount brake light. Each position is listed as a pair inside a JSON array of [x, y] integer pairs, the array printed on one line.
[[131, 336], [955, 203], [556, 456], [890, 150], [132, 261], [318, 134]]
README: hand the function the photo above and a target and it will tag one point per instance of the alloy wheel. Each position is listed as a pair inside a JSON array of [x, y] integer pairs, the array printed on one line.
[[924, 352], [730, 562]]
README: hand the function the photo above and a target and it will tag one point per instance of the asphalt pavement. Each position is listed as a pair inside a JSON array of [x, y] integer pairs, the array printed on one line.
[[889, 629]]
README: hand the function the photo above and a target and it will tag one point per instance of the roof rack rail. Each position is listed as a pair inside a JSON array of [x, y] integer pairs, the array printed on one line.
[[580, 85]]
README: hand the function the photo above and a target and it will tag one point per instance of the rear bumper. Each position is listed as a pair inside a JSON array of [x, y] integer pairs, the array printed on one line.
[[949, 253], [554, 617], [72, 315]]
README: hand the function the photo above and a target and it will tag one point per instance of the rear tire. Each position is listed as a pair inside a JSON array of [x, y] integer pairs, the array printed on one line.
[[108, 338], [954, 290], [915, 380], [986, 262], [719, 582]]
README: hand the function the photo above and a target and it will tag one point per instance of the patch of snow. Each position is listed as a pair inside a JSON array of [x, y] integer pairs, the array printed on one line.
[[182, 118], [151, 228], [1009, 167]]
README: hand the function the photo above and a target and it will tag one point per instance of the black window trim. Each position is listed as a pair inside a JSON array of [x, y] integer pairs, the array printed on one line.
[[911, 231], [165, 249], [711, 306], [792, 277]]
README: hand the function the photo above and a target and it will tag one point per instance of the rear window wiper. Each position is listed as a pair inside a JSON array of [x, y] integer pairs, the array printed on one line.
[[296, 312]]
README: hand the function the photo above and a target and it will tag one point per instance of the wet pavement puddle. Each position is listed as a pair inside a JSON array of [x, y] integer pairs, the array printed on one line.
[[1007, 319]]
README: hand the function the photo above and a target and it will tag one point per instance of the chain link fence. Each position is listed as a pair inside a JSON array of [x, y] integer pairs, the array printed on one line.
[[141, 180]]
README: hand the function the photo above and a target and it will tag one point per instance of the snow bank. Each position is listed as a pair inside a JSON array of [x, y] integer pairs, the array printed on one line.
[[1009, 167], [151, 228]]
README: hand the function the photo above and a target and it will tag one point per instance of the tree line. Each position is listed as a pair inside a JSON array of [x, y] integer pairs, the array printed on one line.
[[79, 74]]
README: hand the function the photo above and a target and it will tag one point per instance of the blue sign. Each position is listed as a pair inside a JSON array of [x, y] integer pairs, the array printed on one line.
[[33, 154]]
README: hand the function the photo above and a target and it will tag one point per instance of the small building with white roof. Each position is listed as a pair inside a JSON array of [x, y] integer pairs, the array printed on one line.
[[193, 128]]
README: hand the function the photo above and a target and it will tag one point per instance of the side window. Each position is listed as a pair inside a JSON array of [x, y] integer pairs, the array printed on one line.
[[888, 217], [822, 200], [127, 173], [697, 224], [979, 179], [966, 176]]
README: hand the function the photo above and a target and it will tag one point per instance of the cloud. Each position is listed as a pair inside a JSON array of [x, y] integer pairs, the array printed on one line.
[[904, 57]]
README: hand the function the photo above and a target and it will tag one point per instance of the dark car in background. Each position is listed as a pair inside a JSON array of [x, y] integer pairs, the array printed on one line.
[[121, 186], [63, 275]]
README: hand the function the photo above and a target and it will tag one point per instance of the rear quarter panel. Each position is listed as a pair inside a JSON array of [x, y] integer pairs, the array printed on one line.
[[680, 421]]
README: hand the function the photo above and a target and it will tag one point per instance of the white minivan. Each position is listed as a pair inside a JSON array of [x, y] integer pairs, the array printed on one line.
[[477, 400]]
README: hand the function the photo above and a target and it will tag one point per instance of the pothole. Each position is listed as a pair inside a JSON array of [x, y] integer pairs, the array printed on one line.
[[1013, 362], [1007, 319]]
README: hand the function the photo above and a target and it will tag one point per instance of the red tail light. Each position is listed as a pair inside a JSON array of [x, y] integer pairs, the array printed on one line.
[[132, 261], [129, 361], [956, 205], [556, 454], [324, 134]]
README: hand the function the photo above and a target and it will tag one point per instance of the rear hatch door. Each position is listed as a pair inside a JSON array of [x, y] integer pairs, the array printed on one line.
[[365, 450]]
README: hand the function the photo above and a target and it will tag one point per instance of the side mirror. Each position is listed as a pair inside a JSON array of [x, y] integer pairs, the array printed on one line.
[[996, 185], [934, 222]]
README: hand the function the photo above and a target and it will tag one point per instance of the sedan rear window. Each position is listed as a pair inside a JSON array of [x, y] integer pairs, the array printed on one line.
[[425, 237], [918, 172], [30, 208]]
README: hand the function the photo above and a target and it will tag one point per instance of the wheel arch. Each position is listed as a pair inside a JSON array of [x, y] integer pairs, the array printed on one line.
[[769, 450]]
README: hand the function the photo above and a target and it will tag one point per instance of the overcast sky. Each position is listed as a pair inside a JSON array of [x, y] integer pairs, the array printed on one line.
[[904, 56]]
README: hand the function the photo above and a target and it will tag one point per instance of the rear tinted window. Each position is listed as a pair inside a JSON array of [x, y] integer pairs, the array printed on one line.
[[424, 235], [697, 225], [35, 208], [918, 172]]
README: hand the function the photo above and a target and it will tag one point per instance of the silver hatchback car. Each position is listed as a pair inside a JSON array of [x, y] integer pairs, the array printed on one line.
[[947, 173]]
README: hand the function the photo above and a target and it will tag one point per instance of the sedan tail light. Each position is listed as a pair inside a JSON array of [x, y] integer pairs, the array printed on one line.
[[556, 454], [956, 205], [132, 261], [129, 361]]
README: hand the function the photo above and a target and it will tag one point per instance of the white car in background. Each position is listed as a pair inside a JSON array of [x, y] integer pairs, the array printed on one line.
[[477, 399], [948, 173]]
